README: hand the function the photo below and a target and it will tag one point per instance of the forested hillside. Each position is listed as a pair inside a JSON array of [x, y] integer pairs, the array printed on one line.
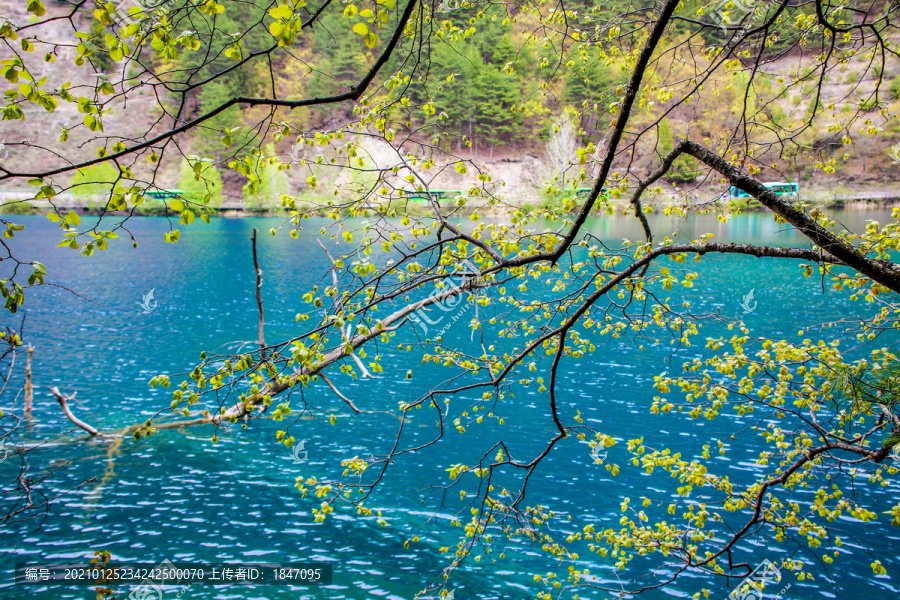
[[498, 97]]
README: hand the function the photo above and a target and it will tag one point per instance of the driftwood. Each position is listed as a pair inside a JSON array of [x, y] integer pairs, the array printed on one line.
[[259, 302], [29, 390], [240, 409], [64, 404], [124, 431]]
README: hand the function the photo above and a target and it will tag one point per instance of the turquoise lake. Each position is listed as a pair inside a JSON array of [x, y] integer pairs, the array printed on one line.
[[178, 496]]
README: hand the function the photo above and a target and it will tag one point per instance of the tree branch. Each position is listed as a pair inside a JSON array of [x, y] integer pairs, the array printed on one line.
[[64, 403], [883, 272]]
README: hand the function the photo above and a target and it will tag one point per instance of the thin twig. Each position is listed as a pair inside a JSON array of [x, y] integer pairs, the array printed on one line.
[[339, 395]]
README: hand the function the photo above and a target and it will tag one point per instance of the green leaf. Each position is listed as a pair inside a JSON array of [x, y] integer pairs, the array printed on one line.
[[177, 205], [187, 217], [361, 28], [282, 11], [35, 6]]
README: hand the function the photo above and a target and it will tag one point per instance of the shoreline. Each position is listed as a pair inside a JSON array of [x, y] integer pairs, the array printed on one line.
[[862, 200]]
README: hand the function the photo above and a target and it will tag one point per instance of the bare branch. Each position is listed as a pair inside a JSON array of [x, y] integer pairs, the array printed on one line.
[[339, 395], [64, 403]]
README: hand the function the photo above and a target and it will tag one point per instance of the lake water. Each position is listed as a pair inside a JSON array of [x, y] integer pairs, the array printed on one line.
[[177, 496]]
